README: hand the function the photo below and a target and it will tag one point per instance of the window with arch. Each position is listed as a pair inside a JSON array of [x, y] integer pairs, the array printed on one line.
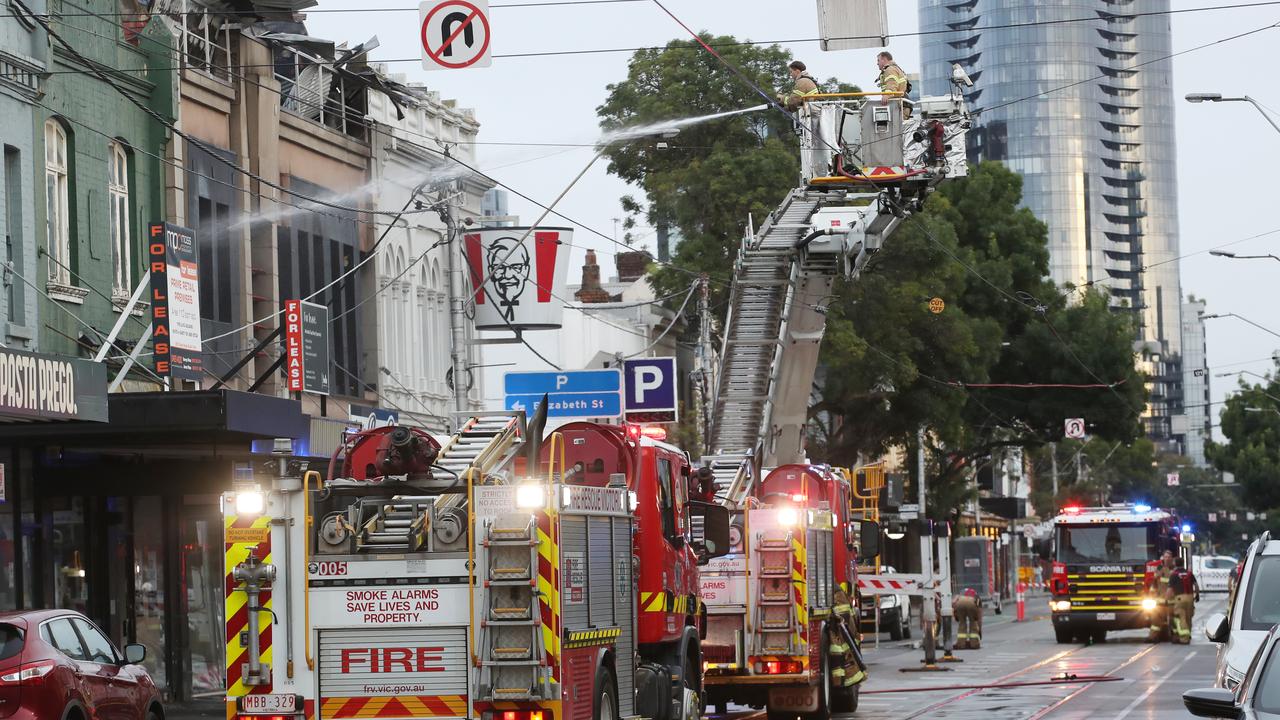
[[118, 215], [57, 202]]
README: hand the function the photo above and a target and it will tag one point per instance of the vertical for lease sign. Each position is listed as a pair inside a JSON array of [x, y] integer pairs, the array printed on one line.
[[306, 340], [175, 302]]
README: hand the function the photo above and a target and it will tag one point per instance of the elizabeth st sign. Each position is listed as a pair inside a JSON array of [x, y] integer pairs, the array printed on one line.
[[644, 390]]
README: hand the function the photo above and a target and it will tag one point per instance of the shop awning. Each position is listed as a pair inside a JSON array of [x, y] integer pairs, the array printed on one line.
[[201, 418], [36, 388]]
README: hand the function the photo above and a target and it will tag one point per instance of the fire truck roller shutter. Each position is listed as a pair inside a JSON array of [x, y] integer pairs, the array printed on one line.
[[402, 672], [596, 594]]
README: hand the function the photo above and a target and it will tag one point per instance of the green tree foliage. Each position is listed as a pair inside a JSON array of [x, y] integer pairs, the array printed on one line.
[[1251, 424], [892, 365], [711, 176]]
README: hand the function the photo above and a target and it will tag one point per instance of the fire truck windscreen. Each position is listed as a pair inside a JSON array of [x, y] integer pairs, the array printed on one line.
[[1109, 543]]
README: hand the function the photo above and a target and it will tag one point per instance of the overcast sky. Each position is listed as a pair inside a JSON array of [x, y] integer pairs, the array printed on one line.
[[1224, 150]]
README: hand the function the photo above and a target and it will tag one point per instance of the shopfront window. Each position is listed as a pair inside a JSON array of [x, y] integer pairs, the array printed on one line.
[[148, 584], [66, 554], [202, 549], [8, 581]]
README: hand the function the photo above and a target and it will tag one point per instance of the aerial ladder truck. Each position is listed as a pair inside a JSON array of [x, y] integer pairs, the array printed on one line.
[[772, 603], [489, 575]]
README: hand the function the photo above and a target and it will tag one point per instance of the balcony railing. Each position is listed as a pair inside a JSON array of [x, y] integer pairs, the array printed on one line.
[[310, 88]]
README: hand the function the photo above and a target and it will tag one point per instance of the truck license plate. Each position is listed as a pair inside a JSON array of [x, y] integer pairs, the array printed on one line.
[[1107, 616], [793, 699], [268, 704]]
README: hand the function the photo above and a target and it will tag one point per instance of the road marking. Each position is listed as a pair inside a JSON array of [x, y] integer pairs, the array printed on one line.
[[1125, 713], [961, 696], [1134, 658]]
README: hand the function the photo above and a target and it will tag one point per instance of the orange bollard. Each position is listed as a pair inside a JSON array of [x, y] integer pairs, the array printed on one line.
[[1022, 604]]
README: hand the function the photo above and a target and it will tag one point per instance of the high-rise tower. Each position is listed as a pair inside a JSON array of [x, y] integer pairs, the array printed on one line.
[[1077, 97]]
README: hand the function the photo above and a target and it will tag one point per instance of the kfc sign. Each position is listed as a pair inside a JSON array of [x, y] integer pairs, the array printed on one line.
[[518, 277]]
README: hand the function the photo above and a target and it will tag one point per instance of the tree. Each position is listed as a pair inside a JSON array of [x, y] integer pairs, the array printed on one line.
[[893, 366], [1251, 424], [712, 176]]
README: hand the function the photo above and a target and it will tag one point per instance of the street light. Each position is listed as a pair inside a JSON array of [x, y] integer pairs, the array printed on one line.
[[1233, 256], [1238, 317], [1217, 97], [1261, 410]]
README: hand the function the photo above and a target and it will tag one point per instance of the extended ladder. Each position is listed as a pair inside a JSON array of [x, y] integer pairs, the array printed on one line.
[[484, 441]]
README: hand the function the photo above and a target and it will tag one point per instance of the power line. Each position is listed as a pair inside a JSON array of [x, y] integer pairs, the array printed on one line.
[[1106, 17], [97, 72], [444, 154], [316, 11]]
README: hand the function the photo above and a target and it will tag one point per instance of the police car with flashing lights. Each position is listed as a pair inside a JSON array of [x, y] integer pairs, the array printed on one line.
[[1254, 610]]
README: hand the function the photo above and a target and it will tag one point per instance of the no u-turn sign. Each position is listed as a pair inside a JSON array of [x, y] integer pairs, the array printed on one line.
[[455, 34]]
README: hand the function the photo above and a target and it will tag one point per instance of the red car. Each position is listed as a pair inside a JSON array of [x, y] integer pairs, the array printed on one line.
[[57, 665]]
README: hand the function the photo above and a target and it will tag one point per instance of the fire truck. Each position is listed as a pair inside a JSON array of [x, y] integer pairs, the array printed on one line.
[[1103, 559], [768, 604], [488, 575], [868, 160]]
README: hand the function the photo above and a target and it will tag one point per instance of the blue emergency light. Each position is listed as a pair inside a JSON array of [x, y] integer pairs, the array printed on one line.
[[1141, 508]]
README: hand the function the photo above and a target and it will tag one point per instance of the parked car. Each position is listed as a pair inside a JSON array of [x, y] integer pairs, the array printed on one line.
[[895, 612], [57, 665], [1213, 572], [1255, 608], [1257, 697]]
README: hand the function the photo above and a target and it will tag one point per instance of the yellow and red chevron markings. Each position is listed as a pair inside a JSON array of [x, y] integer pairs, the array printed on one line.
[[241, 535], [800, 587], [401, 706], [549, 589]]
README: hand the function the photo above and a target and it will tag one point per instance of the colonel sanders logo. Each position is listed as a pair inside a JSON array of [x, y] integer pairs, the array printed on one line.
[[507, 261]]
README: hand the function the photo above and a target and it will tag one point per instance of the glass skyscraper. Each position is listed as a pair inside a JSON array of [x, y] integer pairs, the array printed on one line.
[[1078, 100]]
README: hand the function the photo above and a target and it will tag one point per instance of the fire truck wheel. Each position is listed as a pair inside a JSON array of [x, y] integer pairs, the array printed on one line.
[[1063, 634], [605, 706]]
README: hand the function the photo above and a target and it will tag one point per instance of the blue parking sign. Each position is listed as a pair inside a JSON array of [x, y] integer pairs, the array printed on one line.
[[651, 389]]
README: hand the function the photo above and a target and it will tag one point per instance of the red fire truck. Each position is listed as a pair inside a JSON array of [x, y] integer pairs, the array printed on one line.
[[487, 575], [770, 602]]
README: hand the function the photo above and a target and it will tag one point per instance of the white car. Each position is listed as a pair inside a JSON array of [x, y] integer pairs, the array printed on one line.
[[1253, 612], [1213, 572]]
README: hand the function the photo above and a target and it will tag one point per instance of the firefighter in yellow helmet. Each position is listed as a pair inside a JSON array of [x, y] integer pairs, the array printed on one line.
[[968, 614], [805, 87]]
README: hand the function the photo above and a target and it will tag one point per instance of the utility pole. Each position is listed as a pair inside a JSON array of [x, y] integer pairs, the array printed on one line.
[[702, 388], [1053, 458], [457, 304], [920, 482]]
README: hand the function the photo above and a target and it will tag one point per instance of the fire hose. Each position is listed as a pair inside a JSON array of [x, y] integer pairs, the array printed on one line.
[[1064, 680]]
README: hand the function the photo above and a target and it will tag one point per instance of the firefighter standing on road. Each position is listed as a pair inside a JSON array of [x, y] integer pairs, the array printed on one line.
[[848, 669], [1159, 591], [805, 87], [968, 617], [1184, 591]]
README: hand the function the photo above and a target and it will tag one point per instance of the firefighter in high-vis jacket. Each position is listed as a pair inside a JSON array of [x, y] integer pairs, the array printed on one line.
[[848, 668], [1183, 590], [1158, 590], [968, 617]]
